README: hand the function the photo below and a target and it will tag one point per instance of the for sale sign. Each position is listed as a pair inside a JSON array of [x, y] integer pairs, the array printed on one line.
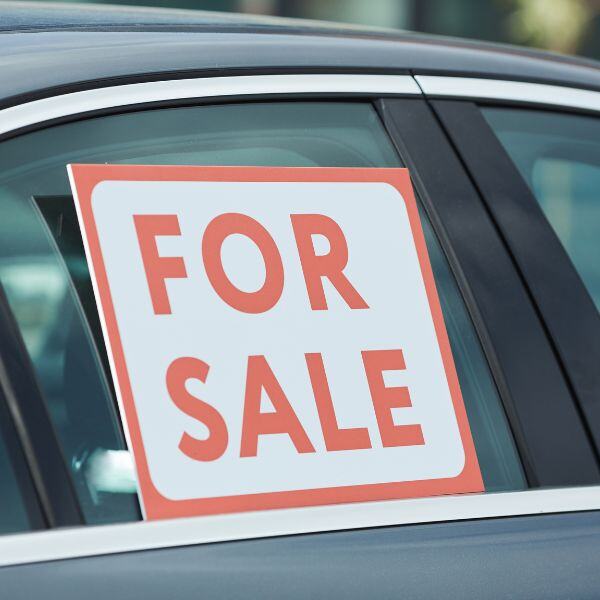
[[275, 336]]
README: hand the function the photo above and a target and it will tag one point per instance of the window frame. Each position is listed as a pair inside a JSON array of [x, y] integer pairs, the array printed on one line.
[[501, 307], [18, 456], [382, 90], [49, 494], [571, 319]]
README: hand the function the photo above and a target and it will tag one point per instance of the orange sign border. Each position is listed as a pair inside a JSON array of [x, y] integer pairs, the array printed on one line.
[[84, 178]]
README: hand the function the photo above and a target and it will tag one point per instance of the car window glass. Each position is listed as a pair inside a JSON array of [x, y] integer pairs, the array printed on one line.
[[44, 271], [559, 157]]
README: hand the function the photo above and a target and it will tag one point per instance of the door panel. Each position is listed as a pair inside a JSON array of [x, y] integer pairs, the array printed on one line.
[[552, 556]]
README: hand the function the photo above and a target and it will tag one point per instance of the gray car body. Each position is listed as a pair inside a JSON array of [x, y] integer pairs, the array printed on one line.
[[44, 52], [550, 557]]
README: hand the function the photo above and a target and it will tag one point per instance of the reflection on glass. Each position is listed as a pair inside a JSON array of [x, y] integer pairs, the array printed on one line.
[[559, 157]]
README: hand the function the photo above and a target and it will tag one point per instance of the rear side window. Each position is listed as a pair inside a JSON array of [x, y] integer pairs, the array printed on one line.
[[45, 274], [559, 157]]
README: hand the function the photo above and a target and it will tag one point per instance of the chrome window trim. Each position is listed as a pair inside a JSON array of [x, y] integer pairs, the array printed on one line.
[[513, 91], [60, 544], [86, 101]]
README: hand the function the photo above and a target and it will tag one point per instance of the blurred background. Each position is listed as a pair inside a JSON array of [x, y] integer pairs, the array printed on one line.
[[567, 26]]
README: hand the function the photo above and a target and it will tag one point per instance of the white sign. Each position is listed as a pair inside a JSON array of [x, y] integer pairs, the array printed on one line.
[[275, 335]]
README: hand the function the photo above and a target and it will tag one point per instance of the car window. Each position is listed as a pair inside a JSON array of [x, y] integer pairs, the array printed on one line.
[[559, 157], [44, 271]]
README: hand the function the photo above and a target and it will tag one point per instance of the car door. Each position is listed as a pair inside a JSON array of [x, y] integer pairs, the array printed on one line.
[[58, 393]]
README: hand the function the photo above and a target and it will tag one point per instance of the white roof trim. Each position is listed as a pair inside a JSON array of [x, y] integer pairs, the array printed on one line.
[[75, 103], [515, 91]]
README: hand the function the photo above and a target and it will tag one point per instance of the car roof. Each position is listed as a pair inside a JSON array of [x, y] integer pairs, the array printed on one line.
[[39, 16], [49, 47]]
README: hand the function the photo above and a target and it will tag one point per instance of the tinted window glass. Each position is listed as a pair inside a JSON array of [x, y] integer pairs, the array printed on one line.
[[559, 157], [44, 271]]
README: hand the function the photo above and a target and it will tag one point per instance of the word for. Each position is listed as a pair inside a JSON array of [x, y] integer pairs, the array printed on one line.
[[314, 267]]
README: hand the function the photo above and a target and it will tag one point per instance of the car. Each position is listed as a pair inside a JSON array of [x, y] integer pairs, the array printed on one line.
[[502, 146]]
